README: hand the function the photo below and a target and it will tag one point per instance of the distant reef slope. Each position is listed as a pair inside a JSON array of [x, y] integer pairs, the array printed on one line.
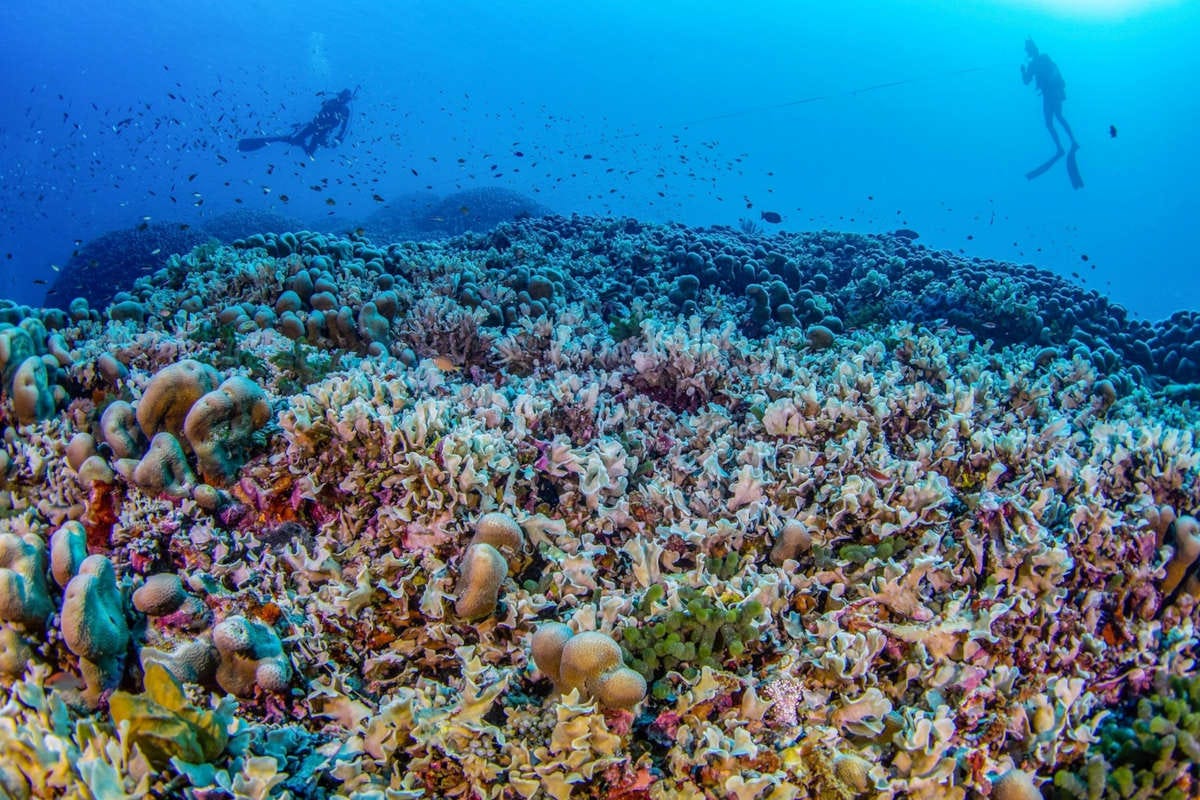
[[627, 269], [111, 262]]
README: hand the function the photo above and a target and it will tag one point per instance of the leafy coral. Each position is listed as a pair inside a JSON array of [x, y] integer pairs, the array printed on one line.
[[164, 725]]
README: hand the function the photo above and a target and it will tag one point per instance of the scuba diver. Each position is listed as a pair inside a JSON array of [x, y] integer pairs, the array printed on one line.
[[1053, 88], [333, 116], [1040, 69]]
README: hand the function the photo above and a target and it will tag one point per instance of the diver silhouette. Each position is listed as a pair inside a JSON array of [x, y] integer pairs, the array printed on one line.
[[333, 116], [1042, 71]]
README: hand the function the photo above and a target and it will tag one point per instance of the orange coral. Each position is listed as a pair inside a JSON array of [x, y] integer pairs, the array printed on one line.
[[101, 515]]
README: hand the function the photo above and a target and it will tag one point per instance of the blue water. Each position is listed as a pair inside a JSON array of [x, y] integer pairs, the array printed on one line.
[[692, 111]]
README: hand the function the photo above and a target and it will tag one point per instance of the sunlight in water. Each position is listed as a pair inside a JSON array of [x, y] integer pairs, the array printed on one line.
[[1098, 8]]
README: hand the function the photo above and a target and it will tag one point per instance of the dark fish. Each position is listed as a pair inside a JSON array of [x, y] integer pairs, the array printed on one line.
[[39, 281], [1112, 131], [329, 201], [772, 217], [906, 233], [283, 197]]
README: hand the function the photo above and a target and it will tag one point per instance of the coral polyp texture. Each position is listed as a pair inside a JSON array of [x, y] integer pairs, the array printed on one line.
[[594, 508]]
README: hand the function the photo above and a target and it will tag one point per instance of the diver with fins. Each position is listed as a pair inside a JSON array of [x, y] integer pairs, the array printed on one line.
[[319, 132], [1044, 73]]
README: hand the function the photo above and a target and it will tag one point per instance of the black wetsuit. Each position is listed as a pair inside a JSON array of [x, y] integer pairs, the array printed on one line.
[[1054, 92], [327, 129], [334, 115]]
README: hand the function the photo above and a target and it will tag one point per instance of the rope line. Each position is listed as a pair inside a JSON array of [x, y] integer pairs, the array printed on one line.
[[820, 97]]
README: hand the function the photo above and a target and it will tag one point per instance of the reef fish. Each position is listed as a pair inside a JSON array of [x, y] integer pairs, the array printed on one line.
[[772, 217]]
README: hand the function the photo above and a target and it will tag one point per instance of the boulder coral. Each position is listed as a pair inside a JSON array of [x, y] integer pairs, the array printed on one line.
[[251, 656], [118, 427], [94, 626], [68, 549], [171, 393], [1016, 784], [588, 662], [484, 570], [32, 397], [163, 470], [219, 426], [24, 593], [495, 548]]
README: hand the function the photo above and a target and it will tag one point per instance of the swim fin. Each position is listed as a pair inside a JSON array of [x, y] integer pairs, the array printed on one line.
[[250, 145], [1073, 169], [1041, 169]]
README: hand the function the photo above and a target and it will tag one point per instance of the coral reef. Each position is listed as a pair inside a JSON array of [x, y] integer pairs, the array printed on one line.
[[592, 508]]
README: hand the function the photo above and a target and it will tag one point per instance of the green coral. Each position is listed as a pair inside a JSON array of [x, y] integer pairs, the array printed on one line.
[[703, 632], [860, 554], [303, 366], [622, 328], [226, 351], [726, 567], [1152, 751], [163, 725]]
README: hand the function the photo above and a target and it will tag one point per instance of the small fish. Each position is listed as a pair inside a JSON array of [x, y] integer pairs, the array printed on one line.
[[1112, 131], [329, 201], [772, 217], [445, 364]]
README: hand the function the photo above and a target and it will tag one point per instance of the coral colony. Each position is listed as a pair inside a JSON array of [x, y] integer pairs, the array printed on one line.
[[592, 508]]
